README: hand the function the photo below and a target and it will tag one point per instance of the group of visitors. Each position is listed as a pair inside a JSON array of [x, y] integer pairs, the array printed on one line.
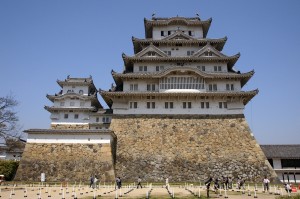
[[223, 183], [93, 181]]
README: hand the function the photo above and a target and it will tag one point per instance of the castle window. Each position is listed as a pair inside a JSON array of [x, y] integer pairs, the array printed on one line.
[[157, 68], [169, 105], [66, 116], [168, 52], [151, 105], [140, 68], [151, 54], [133, 105], [217, 68], [229, 87], [222, 104], [80, 91], [207, 104], [62, 103], [133, 87], [190, 53], [208, 54], [169, 32], [162, 33], [212, 87], [187, 105], [76, 116], [232, 87], [145, 68], [97, 119], [150, 87]]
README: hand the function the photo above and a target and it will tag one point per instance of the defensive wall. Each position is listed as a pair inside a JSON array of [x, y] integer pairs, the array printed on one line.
[[187, 148]]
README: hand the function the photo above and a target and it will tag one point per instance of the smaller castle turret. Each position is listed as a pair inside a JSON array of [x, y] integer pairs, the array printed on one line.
[[76, 106]]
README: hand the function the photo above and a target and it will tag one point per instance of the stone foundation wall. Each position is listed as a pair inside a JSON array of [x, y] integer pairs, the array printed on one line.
[[66, 162], [187, 148], [70, 126]]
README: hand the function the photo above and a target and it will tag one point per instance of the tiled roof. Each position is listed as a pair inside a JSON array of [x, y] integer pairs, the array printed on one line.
[[282, 151]]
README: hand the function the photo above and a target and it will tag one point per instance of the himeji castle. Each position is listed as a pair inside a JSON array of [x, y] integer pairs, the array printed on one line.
[[176, 111]]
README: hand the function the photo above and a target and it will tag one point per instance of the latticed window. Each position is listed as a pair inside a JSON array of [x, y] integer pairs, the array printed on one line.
[[181, 83]]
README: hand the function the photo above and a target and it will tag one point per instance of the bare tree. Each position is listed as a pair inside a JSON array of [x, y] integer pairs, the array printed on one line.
[[8, 118]]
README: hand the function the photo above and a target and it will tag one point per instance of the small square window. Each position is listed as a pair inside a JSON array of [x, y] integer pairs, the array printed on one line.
[[66, 116], [140, 68], [76, 116]]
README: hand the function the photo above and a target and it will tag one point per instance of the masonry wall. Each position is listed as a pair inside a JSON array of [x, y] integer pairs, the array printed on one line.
[[187, 148], [66, 162]]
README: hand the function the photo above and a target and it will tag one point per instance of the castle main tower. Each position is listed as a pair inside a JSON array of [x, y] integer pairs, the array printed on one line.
[[178, 107]]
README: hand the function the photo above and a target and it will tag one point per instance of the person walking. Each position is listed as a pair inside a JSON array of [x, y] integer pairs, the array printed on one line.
[[207, 184], [266, 182], [139, 183]]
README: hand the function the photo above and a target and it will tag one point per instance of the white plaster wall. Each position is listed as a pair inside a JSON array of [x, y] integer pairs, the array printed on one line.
[[66, 138], [93, 119], [156, 33], [180, 51], [221, 84], [277, 164], [142, 84], [68, 101], [121, 107], [75, 89], [83, 117]]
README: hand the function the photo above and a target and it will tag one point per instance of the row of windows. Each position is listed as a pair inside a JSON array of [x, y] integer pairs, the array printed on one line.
[[177, 83], [72, 91], [72, 103], [76, 116], [170, 105], [169, 32], [161, 68]]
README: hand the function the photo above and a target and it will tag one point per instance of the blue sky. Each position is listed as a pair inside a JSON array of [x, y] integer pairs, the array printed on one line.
[[42, 41]]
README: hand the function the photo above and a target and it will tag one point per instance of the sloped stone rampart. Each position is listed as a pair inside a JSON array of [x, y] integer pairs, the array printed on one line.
[[66, 162], [187, 148]]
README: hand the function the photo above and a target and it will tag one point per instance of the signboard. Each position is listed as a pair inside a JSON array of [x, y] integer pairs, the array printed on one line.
[[43, 177]]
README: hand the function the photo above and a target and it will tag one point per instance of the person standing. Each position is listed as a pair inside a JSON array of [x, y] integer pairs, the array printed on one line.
[[266, 182], [91, 181], [207, 184], [119, 184], [139, 183], [95, 182], [229, 183], [167, 183]]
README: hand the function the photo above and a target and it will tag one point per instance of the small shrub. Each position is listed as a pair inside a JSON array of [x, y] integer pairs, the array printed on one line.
[[8, 168]]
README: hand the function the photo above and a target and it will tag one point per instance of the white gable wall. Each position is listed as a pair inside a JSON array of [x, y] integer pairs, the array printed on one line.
[[156, 33]]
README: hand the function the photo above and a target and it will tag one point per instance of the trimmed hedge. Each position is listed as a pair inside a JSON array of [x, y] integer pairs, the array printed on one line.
[[8, 168]]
